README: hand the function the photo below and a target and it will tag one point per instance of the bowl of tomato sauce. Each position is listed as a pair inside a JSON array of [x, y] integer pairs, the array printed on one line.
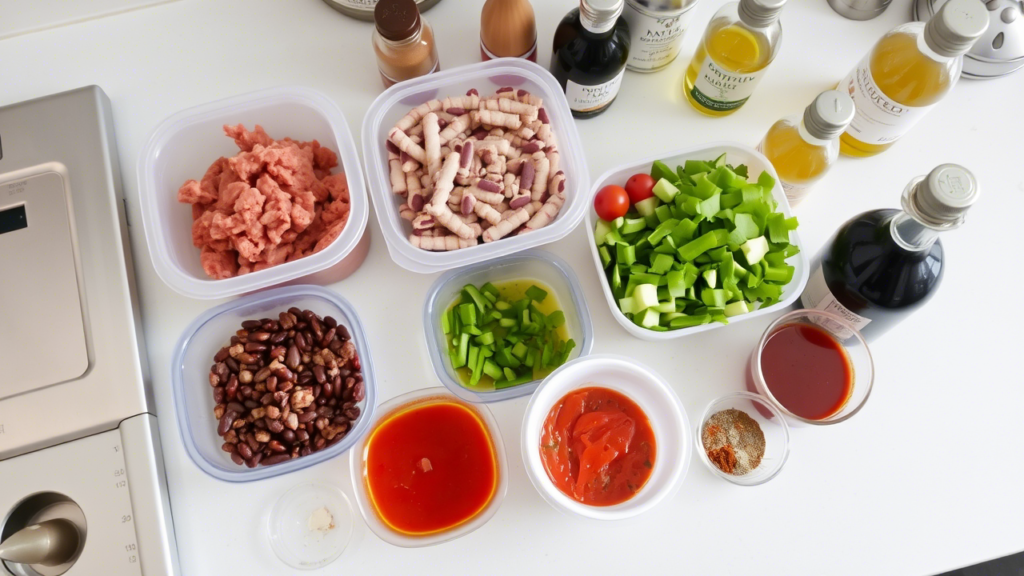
[[605, 437], [431, 469]]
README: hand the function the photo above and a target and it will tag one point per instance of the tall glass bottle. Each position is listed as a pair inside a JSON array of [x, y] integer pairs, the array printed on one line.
[[884, 264], [803, 148], [589, 55], [909, 70], [739, 43]]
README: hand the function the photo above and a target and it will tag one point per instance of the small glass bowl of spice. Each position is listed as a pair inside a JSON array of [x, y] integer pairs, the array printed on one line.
[[743, 439]]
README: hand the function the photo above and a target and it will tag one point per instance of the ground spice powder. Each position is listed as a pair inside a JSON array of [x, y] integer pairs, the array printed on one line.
[[733, 441]]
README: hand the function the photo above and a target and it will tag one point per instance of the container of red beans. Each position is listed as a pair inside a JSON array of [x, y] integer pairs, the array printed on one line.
[[273, 382]]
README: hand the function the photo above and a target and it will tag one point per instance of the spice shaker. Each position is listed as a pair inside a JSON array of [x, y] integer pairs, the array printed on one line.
[[363, 9], [508, 28], [589, 55], [403, 42], [656, 30], [859, 9]]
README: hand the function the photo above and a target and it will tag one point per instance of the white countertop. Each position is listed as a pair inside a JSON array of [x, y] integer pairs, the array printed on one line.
[[925, 479]]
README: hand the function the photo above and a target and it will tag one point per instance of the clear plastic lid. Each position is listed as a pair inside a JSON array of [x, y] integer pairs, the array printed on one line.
[[310, 525]]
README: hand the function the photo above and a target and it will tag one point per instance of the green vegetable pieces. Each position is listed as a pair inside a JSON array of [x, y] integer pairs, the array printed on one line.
[[709, 245]]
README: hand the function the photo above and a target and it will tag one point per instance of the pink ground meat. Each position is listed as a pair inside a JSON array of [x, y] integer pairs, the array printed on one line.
[[273, 202]]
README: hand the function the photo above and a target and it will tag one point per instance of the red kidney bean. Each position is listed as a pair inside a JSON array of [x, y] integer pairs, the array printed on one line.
[[244, 451], [300, 341], [228, 447], [251, 324], [307, 417], [293, 358], [255, 347], [288, 436], [232, 365], [328, 389], [236, 408], [330, 321], [225, 422], [276, 459], [359, 392], [237, 459]]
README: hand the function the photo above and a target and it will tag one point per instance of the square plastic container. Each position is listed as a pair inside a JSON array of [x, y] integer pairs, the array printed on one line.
[[190, 370], [486, 77], [736, 154], [183, 146], [533, 265]]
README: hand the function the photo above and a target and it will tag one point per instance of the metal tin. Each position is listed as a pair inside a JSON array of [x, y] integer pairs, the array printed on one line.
[[656, 29], [363, 9], [1000, 50], [859, 9]]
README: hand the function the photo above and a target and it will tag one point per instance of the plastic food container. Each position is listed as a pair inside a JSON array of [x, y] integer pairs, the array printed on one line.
[[486, 77], [289, 532], [357, 464], [190, 369], [736, 154], [776, 437], [183, 147], [532, 265], [642, 385]]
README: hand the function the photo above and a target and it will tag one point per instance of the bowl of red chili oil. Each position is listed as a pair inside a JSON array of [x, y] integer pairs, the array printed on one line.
[[813, 366], [606, 438], [421, 444]]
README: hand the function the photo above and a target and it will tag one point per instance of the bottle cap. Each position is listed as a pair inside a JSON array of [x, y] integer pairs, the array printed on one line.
[[956, 27], [943, 197], [829, 115], [396, 20], [599, 16], [760, 13]]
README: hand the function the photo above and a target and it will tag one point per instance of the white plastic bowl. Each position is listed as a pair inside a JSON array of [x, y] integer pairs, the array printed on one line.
[[486, 77], [672, 432], [736, 154], [183, 146]]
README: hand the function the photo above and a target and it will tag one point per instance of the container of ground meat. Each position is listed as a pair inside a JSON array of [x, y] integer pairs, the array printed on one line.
[[253, 191], [197, 408], [443, 206]]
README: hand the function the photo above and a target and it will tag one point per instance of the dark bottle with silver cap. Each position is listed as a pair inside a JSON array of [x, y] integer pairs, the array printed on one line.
[[884, 264], [589, 55], [803, 148]]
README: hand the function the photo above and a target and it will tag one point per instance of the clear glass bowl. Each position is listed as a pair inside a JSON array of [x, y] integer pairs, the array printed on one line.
[[190, 370], [642, 385], [357, 465], [291, 537], [534, 265], [857, 351], [776, 436]]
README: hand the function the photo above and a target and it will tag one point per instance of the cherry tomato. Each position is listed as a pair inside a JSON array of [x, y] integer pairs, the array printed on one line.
[[639, 187], [611, 202]]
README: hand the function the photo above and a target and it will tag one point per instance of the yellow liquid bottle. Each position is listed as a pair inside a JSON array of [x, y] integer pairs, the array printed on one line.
[[802, 148], [739, 43], [909, 70]]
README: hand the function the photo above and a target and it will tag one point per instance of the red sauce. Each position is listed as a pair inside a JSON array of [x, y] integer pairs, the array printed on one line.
[[430, 467], [807, 371], [597, 446]]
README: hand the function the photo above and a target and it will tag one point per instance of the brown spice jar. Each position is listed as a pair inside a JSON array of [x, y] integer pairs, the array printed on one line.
[[403, 42]]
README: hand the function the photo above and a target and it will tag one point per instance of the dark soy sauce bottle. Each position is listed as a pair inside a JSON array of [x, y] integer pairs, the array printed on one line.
[[589, 55], [884, 264]]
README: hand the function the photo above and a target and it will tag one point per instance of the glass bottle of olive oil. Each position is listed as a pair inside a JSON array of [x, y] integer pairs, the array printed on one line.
[[803, 148], [909, 70], [739, 43]]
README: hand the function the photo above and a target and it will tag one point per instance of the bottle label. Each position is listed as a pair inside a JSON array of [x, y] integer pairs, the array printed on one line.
[[720, 90], [589, 98], [654, 39], [817, 296], [878, 118]]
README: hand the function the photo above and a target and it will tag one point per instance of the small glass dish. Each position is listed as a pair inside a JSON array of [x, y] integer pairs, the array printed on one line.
[[776, 436], [190, 377], [538, 265], [295, 540], [357, 466], [861, 364]]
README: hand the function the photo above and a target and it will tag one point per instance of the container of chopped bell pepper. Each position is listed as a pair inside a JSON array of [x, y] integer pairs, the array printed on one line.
[[715, 245], [494, 330]]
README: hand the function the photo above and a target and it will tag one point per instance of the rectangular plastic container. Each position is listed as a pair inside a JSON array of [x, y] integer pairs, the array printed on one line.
[[190, 377], [736, 154], [544, 267], [184, 145], [486, 77]]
